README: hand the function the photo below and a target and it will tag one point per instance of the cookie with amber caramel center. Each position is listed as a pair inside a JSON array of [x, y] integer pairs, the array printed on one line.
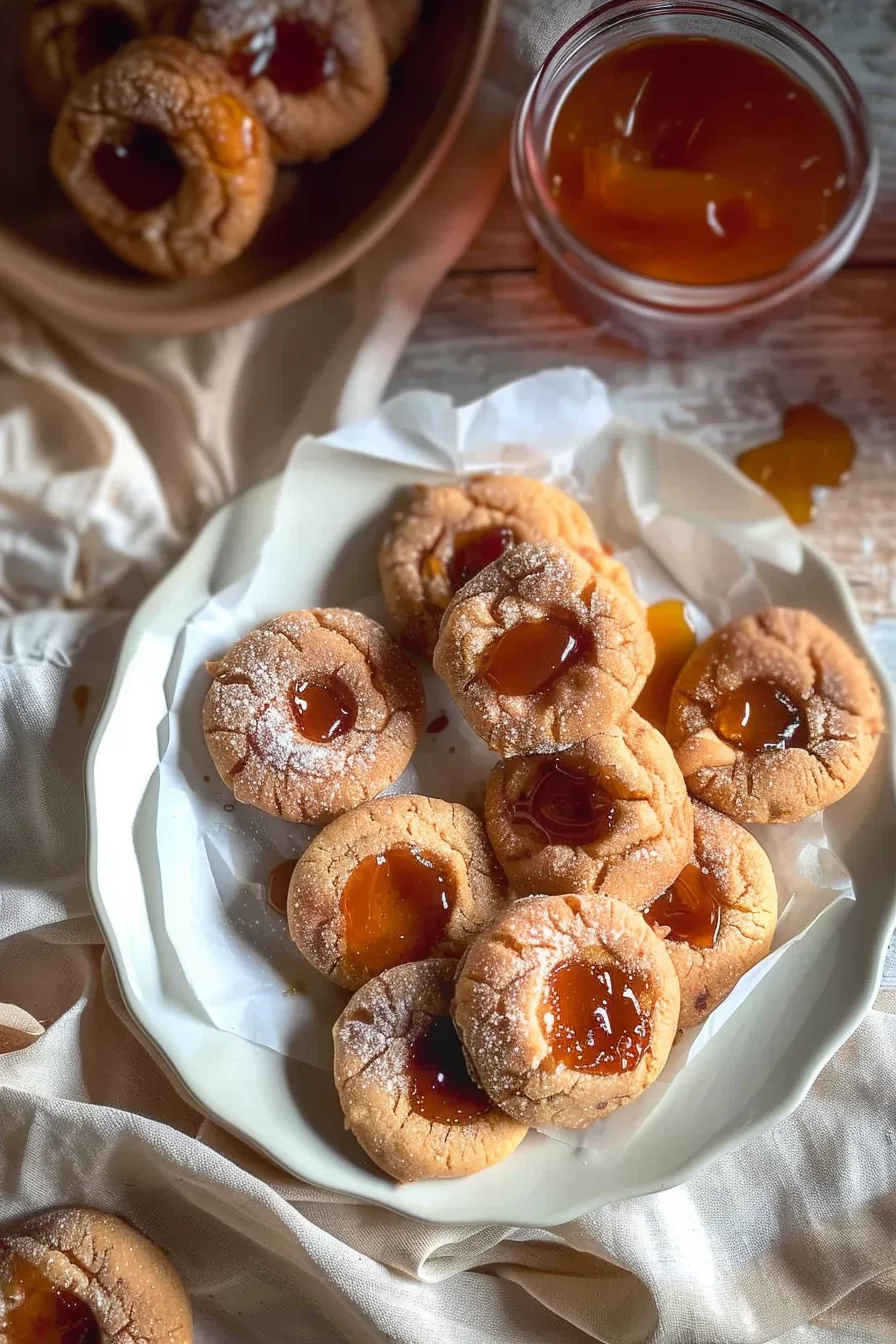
[[396, 880], [718, 917], [165, 158], [312, 714], [567, 1008], [403, 1081], [540, 651], [66, 39], [774, 717], [445, 534], [79, 1276], [315, 69], [610, 814]]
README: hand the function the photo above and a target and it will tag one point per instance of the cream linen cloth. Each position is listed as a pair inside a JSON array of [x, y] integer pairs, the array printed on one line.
[[112, 452]]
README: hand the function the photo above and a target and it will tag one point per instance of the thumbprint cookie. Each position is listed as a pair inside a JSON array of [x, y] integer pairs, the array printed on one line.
[[774, 717], [404, 1086], [445, 534], [396, 880], [79, 1276], [312, 714], [66, 39], [396, 21], [540, 651], [718, 917], [315, 69], [610, 814], [164, 157], [567, 1008]]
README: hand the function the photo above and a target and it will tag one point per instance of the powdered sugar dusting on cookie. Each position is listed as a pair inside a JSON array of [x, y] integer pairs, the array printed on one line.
[[253, 693]]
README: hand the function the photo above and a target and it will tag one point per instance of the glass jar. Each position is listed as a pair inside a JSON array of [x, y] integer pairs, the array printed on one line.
[[663, 316]]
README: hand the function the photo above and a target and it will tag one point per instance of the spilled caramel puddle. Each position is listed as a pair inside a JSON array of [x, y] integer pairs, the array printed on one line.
[[815, 449], [675, 641]]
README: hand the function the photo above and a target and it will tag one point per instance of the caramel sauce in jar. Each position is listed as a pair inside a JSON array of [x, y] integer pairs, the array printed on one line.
[[441, 1089], [815, 450], [279, 879], [695, 160], [323, 710], [675, 641], [38, 1313], [593, 1018], [688, 909], [396, 906], [473, 551], [294, 54], [529, 657], [566, 806], [759, 716], [143, 173]]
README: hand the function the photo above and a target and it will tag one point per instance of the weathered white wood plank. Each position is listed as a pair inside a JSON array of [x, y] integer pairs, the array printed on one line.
[[480, 331], [863, 35]]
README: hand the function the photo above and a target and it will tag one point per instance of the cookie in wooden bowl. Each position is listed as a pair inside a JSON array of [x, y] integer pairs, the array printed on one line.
[[165, 158]]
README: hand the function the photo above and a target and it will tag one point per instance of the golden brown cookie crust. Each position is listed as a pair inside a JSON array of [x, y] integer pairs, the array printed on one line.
[[252, 734], [651, 836], [740, 876], [838, 695], [498, 1005], [416, 552], [608, 567], [211, 127], [532, 582], [448, 832], [308, 125], [372, 1041], [66, 39], [127, 1282]]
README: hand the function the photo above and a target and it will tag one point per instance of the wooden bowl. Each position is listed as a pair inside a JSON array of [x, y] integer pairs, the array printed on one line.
[[324, 216]]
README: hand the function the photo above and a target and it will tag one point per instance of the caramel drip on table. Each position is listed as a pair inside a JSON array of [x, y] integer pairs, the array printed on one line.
[[80, 700], [815, 449]]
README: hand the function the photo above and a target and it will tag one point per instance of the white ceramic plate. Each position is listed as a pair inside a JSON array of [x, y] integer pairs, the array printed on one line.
[[751, 1074]]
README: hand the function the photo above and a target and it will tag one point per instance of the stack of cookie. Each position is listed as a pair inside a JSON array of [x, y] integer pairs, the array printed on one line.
[[534, 969], [172, 116]]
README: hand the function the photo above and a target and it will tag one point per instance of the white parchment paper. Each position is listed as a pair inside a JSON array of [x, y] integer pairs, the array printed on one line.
[[687, 524]]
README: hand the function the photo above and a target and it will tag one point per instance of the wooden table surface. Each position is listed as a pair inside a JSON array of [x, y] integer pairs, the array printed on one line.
[[493, 320]]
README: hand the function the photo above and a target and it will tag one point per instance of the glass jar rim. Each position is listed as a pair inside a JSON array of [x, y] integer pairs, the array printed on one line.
[[635, 288]]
